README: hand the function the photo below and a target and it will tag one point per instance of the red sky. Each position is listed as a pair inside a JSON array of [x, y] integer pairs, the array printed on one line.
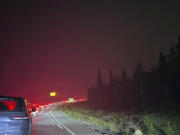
[[59, 45]]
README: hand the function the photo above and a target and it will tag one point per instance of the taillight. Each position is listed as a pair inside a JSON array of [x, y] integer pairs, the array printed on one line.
[[20, 117]]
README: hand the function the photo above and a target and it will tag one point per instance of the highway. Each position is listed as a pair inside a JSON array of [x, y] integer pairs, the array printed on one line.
[[56, 123]]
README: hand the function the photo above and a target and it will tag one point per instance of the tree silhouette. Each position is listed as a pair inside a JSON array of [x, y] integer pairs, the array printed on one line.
[[171, 56], [155, 88], [163, 67], [138, 78], [123, 75], [178, 46], [178, 55], [99, 79]]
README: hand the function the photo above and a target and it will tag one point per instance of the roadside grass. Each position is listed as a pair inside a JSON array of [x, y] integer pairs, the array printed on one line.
[[125, 123]]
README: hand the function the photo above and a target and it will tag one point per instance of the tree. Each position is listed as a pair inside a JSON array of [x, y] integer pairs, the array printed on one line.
[[111, 77], [164, 73], [123, 75], [138, 71], [139, 84], [163, 67], [178, 55], [178, 46], [171, 61], [99, 79], [162, 59], [171, 56]]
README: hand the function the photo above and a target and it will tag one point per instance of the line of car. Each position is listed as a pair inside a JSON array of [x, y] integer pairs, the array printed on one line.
[[16, 115]]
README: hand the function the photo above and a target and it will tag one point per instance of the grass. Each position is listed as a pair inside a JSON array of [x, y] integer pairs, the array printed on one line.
[[161, 125], [125, 123]]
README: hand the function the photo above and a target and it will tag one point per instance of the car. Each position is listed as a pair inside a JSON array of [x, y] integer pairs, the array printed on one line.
[[14, 117]]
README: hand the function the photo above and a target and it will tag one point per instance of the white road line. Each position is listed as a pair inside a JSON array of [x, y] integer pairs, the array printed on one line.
[[52, 119], [59, 126], [72, 133]]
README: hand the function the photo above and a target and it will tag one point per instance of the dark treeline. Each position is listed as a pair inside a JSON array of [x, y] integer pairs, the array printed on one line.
[[156, 88]]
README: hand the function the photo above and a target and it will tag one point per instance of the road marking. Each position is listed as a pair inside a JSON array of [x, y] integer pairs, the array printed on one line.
[[59, 126], [52, 119], [72, 133]]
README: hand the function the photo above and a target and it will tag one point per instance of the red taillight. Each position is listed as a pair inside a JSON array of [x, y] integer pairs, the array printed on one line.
[[20, 117], [10, 104]]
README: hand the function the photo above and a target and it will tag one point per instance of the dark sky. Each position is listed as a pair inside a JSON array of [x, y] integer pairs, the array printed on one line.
[[59, 44]]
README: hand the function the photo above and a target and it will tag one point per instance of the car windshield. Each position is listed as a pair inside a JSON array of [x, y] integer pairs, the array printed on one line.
[[11, 105]]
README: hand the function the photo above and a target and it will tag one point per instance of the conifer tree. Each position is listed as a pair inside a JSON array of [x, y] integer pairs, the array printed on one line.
[[123, 75], [99, 79]]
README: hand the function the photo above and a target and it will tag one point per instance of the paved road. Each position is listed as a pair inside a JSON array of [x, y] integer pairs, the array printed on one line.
[[43, 124], [56, 123]]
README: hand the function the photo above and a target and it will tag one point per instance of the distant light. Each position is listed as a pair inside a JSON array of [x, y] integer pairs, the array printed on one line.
[[52, 94], [71, 100], [82, 100]]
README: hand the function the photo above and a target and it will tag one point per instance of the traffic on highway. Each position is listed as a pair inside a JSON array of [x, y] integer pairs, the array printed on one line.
[[19, 117], [89, 67], [14, 117]]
